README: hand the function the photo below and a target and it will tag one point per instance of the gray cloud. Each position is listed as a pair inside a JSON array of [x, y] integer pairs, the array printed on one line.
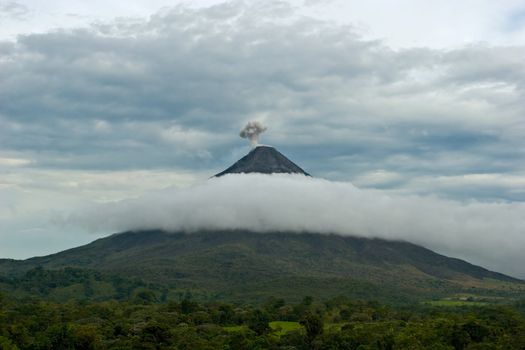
[[490, 234], [13, 10], [172, 91]]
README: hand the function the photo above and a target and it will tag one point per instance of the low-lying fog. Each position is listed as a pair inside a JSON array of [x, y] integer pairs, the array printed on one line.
[[489, 234]]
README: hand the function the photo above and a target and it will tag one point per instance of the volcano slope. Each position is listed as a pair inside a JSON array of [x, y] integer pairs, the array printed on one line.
[[264, 160], [246, 266]]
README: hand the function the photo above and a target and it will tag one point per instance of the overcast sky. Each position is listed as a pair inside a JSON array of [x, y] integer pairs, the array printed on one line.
[[102, 101]]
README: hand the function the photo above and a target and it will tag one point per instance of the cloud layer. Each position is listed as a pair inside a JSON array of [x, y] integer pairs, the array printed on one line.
[[490, 234], [171, 92]]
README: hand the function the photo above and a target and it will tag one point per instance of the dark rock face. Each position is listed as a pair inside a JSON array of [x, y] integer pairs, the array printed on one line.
[[265, 160]]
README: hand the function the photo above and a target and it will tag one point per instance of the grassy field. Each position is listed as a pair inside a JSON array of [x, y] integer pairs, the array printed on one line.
[[280, 328], [235, 329], [333, 326], [455, 303], [283, 327]]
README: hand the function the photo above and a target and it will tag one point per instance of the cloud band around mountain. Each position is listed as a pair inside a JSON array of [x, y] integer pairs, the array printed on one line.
[[489, 234]]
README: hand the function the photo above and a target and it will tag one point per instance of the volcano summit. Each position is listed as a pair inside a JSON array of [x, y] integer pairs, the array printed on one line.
[[265, 160]]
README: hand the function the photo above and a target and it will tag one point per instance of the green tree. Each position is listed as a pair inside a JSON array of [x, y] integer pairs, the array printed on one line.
[[258, 322], [6, 344], [145, 296], [187, 306], [313, 324]]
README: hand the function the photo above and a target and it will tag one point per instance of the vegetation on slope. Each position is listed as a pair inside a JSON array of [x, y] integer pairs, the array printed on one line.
[[244, 266]]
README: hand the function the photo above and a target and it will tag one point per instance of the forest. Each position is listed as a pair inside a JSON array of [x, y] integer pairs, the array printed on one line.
[[144, 321]]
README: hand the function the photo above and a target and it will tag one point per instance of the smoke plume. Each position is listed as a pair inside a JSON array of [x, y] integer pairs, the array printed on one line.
[[488, 234], [251, 131]]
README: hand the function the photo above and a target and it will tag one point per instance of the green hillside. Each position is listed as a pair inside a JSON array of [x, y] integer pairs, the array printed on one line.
[[250, 266]]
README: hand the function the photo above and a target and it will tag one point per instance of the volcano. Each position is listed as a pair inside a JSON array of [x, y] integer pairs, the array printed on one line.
[[264, 160]]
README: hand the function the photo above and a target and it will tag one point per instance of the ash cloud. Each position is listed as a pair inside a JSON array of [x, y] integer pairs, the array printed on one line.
[[251, 131], [488, 234]]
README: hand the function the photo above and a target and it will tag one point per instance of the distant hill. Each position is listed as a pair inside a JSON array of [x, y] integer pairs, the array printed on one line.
[[247, 266], [264, 160]]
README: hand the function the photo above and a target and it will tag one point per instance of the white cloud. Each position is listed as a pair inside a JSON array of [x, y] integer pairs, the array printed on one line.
[[13, 10], [490, 234], [406, 23], [96, 186], [378, 178], [102, 126], [32, 200], [13, 162], [436, 24]]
